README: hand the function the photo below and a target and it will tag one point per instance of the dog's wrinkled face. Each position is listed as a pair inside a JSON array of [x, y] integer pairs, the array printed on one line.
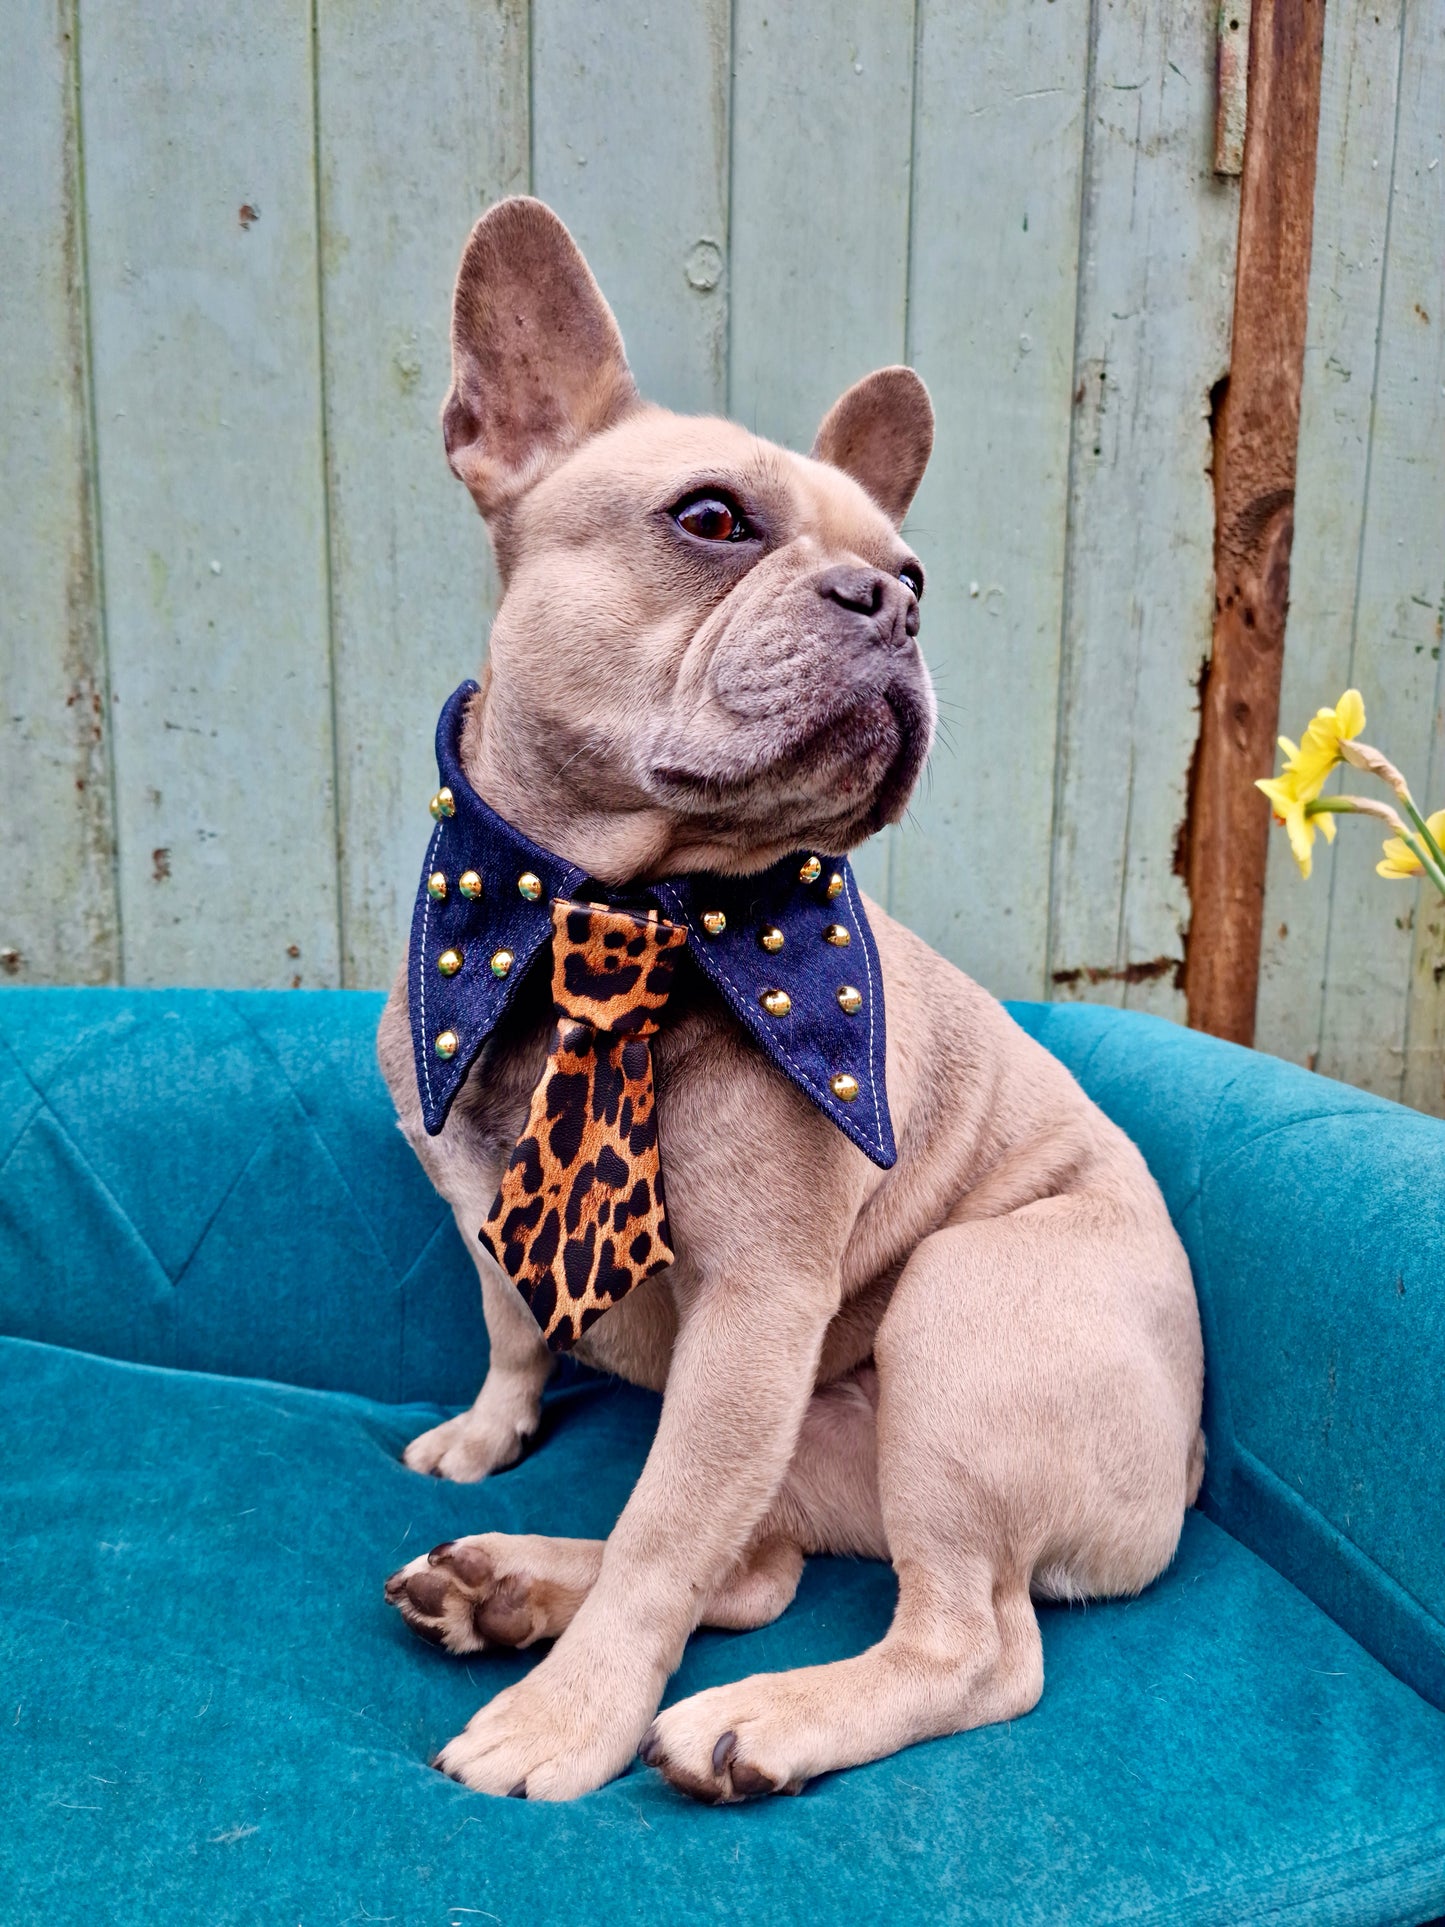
[[706, 652]]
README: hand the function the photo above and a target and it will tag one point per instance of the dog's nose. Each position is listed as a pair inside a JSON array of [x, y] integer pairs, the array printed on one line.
[[853, 588], [890, 608]]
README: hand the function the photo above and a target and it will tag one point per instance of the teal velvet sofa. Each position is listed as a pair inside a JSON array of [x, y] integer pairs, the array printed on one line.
[[229, 1297]]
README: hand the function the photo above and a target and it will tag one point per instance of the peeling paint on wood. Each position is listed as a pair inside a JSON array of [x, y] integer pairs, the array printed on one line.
[[1256, 435], [1153, 336], [412, 148], [58, 917], [1352, 199], [645, 193], [1002, 105], [1021, 200], [206, 368], [1384, 1010], [1348, 977], [1231, 108]]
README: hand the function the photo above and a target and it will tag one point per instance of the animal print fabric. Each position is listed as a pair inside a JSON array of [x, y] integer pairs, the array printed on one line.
[[580, 1217]]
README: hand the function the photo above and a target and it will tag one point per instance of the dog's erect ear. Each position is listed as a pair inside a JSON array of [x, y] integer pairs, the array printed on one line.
[[537, 361], [881, 433]]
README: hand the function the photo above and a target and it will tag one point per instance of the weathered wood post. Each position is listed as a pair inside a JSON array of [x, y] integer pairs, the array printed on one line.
[[1256, 433]]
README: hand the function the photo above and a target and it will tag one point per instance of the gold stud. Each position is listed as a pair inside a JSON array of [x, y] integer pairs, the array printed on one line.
[[771, 939], [838, 934], [835, 885], [502, 961], [810, 871], [777, 1003], [470, 884], [530, 885], [436, 887], [449, 962], [844, 1086], [446, 1044], [443, 804], [714, 922], [849, 999]]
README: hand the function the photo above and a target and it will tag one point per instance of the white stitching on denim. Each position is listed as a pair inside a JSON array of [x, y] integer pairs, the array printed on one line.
[[421, 962], [872, 993], [849, 1129]]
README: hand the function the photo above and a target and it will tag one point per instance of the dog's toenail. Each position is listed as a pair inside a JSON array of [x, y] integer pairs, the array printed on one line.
[[518, 1792], [650, 1749], [433, 1635], [438, 1553], [724, 1750]]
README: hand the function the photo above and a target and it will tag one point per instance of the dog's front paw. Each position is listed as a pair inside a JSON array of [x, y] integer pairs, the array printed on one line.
[[728, 1744], [471, 1445], [542, 1739]]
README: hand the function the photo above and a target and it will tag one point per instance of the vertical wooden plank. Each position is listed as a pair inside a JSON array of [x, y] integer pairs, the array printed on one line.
[[1153, 338], [1352, 193], [57, 888], [417, 134], [1256, 443], [822, 145], [992, 283], [201, 207], [822, 148], [630, 146], [1382, 1010]]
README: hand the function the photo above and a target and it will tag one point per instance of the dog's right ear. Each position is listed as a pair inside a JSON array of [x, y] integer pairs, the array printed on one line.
[[537, 360]]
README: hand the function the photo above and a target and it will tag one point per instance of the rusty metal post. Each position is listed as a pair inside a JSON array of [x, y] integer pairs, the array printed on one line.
[[1256, 434]]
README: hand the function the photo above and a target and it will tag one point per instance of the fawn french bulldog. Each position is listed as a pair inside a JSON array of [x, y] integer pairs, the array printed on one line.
[[927, 1307]]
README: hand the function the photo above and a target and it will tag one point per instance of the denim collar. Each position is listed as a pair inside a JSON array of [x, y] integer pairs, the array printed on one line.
[[483, 911]]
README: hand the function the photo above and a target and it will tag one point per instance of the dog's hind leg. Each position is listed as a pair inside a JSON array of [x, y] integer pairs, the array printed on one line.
[[1003, 1451], [957, 1655]]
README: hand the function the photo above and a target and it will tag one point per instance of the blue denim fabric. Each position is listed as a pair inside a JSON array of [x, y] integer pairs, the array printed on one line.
[[810, 1045]]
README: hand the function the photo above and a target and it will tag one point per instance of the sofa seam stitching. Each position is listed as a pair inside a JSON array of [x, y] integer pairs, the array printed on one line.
[[316, 1138], [1244, 1452]]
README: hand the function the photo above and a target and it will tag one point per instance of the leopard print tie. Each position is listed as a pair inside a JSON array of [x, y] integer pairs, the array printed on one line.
[[580, 1217]]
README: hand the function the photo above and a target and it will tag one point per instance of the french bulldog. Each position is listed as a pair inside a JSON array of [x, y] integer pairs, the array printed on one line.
[[983, 1365]]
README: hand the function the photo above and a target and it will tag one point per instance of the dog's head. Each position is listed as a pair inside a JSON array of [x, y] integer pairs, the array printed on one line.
[[706, 652]]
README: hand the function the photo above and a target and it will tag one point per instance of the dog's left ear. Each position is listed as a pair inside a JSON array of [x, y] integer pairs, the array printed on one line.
[[881, 433]]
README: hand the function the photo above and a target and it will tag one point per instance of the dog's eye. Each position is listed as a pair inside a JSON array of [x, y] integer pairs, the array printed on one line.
[[911, 576], [712, 518]]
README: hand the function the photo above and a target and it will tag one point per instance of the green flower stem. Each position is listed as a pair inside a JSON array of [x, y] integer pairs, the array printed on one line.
[[1425, 856], [1423, 829], [1432, 869], [1354, 806]]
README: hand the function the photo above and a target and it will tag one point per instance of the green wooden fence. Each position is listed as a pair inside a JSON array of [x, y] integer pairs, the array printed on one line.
[[238, 579]]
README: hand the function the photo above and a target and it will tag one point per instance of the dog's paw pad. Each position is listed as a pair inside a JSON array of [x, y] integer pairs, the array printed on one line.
[[456, 1596]]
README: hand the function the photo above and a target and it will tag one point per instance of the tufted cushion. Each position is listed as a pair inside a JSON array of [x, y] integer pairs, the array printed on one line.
[[213, 1179], [209, 1715], [213, 1714]]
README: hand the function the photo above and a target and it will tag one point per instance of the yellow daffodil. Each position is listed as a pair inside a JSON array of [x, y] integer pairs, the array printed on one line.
[[1400, 859], [1288, 794], [1312, 760], [1296, 798]]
